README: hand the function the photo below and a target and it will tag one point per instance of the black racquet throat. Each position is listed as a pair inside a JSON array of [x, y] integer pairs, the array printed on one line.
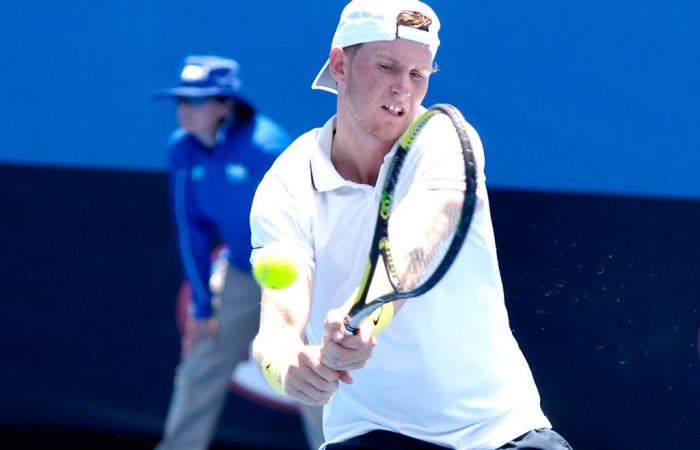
[[430, 256]]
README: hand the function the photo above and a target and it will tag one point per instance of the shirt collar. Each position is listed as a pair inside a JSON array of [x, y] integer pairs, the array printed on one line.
[[323, 173], [225, 125]]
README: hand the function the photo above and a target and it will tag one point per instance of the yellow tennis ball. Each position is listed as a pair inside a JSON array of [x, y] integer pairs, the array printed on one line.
[[275, 267]]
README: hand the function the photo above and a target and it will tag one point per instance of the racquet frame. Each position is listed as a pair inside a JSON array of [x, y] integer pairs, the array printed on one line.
[[361, 309]]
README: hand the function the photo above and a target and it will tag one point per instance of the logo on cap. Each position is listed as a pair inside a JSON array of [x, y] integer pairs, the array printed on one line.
[[193, 73]]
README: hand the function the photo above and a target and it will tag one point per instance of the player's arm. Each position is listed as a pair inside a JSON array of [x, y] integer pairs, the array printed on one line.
[[289, 364]]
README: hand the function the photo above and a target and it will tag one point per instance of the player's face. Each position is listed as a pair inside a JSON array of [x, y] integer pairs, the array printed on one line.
[[385, 85], [200, 115]]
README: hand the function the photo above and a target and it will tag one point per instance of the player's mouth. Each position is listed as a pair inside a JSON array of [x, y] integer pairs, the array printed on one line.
[[397, 110]]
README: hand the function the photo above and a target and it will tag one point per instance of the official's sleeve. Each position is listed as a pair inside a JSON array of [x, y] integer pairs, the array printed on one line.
[[194, 235]]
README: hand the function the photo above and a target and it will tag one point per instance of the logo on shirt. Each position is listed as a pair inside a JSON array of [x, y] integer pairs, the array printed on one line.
[[198, 173], [236, 173]]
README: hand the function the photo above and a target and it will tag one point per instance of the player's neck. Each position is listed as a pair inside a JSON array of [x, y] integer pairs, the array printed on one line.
[[357, 158]]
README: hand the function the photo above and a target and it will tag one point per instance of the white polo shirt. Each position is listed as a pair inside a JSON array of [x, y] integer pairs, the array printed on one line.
[[447, 369]]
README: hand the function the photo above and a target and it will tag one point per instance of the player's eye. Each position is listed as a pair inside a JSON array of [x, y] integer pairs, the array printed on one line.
[[419, 75]]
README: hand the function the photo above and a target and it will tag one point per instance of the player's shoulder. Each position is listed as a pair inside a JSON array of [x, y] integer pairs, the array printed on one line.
[[290, 174], [441, 125], [450, 113], [298, 153]]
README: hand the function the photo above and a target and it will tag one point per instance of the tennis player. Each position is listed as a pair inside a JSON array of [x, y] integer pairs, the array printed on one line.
[[446, 372]]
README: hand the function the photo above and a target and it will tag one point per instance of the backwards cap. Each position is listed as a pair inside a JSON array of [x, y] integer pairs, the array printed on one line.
[[375, 20]]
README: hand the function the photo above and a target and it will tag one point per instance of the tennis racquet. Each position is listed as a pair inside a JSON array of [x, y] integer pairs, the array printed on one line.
[[431, 254]]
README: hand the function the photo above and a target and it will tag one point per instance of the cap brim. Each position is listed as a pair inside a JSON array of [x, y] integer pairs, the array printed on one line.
[[194, 91], [324, 80]]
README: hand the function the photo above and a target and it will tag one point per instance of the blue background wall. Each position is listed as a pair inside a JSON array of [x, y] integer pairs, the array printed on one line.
[[595, 96]]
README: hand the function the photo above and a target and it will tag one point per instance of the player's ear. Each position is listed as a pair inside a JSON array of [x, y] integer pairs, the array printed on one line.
[[339, 60]]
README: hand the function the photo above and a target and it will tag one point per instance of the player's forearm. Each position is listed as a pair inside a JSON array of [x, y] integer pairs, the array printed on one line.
[[279, 339], [274, 344], [283, 318]]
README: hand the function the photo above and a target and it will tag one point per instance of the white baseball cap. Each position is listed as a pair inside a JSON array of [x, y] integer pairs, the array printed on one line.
[[375, 20]]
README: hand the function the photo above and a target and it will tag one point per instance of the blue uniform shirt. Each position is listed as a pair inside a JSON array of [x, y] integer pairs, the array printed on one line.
[[211, 191]]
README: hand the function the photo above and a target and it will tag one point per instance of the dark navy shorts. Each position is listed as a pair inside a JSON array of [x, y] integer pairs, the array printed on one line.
[[540, 439]]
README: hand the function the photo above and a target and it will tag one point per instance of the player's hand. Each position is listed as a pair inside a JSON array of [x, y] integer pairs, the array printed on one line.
[[344, 352], [308, 380], [197, 330]]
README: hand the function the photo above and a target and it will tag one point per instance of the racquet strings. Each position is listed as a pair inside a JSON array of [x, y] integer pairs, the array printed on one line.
[[419, 239]]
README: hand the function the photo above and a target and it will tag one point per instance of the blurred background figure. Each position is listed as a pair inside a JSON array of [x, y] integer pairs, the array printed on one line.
[[217, 156]]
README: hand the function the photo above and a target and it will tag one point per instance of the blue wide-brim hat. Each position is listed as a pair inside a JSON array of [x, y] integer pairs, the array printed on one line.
[[207, 76]]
